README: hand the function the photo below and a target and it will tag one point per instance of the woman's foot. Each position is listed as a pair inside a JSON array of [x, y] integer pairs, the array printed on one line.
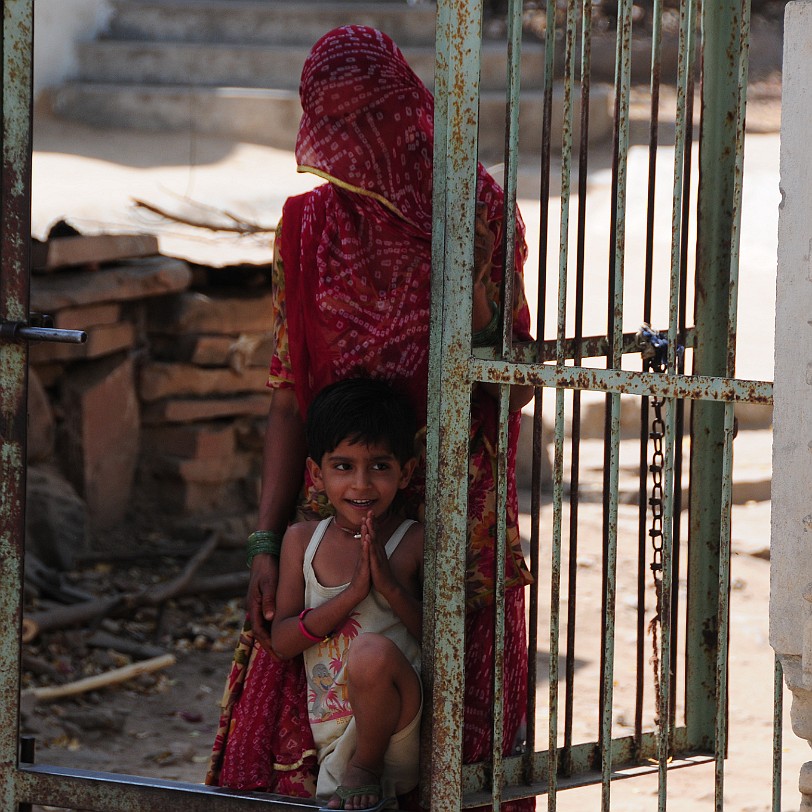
[[360, 789]]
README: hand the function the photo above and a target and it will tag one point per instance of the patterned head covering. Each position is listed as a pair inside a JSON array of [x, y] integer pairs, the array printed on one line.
[[368, 121], [357, 250]]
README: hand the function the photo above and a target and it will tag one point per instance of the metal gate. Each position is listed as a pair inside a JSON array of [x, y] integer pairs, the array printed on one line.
[[558, 364]]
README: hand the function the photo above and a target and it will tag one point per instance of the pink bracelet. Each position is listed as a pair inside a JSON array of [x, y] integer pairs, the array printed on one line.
[[306, 633]]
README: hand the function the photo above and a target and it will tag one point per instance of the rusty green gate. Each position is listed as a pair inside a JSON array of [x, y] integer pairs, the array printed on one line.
[[679, 706]]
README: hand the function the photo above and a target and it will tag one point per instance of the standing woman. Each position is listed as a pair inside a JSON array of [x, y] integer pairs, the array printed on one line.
[[351, 285]]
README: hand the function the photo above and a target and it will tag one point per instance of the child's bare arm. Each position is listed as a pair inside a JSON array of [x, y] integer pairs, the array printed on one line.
[[288, 636]]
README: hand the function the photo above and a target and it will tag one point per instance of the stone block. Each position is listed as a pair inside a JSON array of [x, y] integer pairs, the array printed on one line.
[[137, 279], [209, 470], [197, 441], [101, 341], [93, 249], [101, 436], [237, 352], [41, 425], [200, 498], [215, 314], [159, 380], [50, 374], [80, 318], [182, 410], [56, 519]]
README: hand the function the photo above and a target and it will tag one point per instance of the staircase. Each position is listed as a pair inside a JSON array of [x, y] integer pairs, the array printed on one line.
[[231, 68]]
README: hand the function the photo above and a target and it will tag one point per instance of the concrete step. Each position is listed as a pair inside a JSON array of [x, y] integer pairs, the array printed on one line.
[[263, 22], [252, 65], [271, 116]]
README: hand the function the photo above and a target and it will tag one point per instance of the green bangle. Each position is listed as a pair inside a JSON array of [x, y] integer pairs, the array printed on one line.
[[490, 333], [264, 541]]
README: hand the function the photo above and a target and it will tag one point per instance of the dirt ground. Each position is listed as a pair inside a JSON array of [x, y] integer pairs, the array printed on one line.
[[162, 725]]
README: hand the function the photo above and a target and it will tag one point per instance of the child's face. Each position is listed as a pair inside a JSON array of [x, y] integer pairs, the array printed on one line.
[[358, 478]]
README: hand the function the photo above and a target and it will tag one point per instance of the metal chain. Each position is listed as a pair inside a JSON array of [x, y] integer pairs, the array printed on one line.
[[656, 535], [654, 349]]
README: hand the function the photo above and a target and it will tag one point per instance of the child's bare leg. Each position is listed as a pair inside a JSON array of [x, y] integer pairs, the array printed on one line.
[[384, 692]]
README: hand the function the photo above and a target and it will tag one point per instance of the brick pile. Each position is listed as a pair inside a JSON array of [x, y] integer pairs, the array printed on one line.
[[165, 403]]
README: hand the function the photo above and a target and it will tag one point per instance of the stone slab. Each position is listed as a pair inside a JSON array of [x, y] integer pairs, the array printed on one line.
[[215, 351], [80, 318], [199, 441], [92, 249], [160, 380], [103, 340], [100, 436], [138, 279], [215, 314], [182, 410]]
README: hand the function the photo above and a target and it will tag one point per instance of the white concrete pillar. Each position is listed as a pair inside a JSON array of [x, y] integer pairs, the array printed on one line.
[[791, 543]]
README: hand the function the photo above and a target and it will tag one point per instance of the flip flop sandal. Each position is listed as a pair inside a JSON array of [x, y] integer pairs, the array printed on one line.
[[353, 792]]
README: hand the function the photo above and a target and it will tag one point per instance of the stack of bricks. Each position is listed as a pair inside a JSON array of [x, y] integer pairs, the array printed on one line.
[[205, 400], [164, 405]]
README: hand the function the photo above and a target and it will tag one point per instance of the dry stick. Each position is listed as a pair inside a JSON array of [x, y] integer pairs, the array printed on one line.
[[161, 593], [242, 227], [113, 677], [79, 613]]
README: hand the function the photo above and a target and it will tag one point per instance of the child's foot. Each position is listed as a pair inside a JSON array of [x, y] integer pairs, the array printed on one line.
[[360, 789]]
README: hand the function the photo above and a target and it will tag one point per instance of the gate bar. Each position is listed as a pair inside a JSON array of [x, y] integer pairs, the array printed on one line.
[[15, 221]]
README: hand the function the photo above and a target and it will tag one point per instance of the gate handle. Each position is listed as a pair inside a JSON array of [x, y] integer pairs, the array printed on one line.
[[23, 331]]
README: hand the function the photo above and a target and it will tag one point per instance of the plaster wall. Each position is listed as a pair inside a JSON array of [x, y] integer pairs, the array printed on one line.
[[791, 549], [58, 26], [791, 542]]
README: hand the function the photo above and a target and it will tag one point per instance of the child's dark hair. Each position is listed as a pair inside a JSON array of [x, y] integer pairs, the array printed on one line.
[[360, 410]]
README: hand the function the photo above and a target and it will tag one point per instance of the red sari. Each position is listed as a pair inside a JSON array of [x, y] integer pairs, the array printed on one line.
[[352, 293]]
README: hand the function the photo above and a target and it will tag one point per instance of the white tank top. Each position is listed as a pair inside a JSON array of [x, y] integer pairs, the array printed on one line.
[[328, 706]]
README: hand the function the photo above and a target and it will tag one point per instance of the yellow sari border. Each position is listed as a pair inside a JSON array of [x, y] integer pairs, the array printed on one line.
[[357, 189]]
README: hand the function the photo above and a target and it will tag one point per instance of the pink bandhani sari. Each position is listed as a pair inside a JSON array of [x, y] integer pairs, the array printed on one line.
[[352, 297]]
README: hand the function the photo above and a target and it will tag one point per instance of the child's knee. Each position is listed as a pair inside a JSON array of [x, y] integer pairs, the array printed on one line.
[[369, 656]]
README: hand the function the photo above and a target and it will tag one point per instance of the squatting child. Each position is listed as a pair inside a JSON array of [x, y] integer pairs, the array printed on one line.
[[349, 597]]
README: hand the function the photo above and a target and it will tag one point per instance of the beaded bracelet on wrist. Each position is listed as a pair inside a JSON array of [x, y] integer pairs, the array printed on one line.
[[264, 541], [490, 333]]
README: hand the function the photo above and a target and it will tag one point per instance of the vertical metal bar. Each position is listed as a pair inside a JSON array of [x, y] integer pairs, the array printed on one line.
[[656, 67], [723, 617], [578, 331], [727, 470], [15, 221], [509, 252], [680, 425], [685, 34], [609, 600], [615, 334], [535, 536], [499, 602], [514, 61], [458, 55], [561, 334], [720, 106], [555, 602], [778, 733], [738, 185]]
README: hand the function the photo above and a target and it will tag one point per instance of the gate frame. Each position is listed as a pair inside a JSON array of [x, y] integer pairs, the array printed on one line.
[[453, 370]]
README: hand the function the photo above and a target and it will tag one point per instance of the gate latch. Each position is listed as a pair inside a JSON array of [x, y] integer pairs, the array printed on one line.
[[39, 327]]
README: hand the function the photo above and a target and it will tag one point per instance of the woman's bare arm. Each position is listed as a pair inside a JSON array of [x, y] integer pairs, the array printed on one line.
[[282, 470]]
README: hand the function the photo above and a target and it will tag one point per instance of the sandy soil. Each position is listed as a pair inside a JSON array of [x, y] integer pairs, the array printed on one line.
[[163, 725]]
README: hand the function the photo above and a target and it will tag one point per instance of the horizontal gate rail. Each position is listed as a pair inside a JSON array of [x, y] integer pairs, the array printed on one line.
[[621, 381], [100, 792]]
